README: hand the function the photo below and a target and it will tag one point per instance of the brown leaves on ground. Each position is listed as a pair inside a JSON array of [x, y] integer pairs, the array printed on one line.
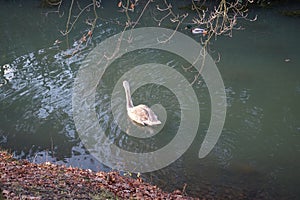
[[20, 179]]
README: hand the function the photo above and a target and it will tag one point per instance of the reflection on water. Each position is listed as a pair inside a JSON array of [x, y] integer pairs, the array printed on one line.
[[258, 151]]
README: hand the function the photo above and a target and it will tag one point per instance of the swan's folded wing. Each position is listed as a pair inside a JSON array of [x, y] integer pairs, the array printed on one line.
[[152, 118], [140, 112], [143, 115]]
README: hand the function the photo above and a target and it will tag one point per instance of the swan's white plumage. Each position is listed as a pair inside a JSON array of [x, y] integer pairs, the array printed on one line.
[[141, 114]]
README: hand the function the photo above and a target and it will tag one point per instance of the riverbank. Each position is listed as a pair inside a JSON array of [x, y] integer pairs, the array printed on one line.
[[21, 179]]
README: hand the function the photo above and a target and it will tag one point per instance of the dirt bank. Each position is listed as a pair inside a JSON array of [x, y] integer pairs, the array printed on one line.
[[20, 179]]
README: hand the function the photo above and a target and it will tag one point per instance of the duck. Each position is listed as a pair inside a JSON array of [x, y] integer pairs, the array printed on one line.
[[196, 31], [140, 114]]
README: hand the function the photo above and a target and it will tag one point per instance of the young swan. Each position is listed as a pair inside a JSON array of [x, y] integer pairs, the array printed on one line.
[[141, 114]]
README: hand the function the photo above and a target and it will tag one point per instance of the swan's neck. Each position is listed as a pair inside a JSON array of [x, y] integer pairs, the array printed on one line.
[[129, 103]]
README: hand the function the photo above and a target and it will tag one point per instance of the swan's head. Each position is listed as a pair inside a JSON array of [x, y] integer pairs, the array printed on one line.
[[125, 84]]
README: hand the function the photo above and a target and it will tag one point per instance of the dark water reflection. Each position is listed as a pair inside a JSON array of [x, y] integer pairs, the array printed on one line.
[[259, 149]]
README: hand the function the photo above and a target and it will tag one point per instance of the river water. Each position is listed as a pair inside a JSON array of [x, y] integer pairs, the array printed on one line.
[[259, 148]]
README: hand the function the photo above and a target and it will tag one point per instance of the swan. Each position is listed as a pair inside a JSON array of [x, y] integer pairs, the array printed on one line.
[[141, 114]]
